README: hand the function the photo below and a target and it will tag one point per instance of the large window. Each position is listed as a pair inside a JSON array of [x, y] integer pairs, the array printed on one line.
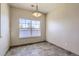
[[29, 28]]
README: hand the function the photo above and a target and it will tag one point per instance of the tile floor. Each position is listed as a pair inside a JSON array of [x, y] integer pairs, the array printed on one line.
[[38, 49]]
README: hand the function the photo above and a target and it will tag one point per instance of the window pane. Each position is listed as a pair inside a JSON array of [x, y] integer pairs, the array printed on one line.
[[23, 33], [28, 23], [22, 21], [36, 28], [24, 30], [35, 24], [22, 25], [36, 33]]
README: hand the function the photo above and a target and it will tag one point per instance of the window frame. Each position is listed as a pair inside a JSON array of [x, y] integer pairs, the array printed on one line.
[[30, 29]]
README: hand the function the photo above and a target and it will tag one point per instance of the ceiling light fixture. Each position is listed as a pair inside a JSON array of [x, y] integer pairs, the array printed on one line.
[[36, 13]]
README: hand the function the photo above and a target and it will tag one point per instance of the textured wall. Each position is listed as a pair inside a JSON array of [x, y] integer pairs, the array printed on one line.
[[63, 27], [4, 40]]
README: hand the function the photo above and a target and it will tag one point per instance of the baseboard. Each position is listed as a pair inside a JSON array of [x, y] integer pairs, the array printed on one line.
[[26, 44], [6, 52], [62, 48]]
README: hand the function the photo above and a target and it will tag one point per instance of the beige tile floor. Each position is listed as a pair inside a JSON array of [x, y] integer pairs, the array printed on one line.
[[39, 49]]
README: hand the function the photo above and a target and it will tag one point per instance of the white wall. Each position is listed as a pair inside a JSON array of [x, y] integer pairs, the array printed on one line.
[[0, 19], [16, 14], [4, 40], [63, 27]]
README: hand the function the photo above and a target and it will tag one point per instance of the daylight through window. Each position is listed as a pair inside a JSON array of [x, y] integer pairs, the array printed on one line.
[[29, 28]]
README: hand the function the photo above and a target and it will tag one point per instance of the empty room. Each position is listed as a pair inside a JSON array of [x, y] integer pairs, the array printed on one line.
[[39, 29]]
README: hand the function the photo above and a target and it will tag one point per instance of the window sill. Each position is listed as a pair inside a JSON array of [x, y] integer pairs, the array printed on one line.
[[30, 37]]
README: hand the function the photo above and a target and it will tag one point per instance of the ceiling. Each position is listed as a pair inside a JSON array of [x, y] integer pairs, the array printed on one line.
[[43, 7]]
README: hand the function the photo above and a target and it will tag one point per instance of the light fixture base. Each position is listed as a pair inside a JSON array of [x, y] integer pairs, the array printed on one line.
[[36, 14]]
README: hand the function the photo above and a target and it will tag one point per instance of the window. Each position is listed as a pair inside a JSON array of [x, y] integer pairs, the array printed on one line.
[[29, 28]]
